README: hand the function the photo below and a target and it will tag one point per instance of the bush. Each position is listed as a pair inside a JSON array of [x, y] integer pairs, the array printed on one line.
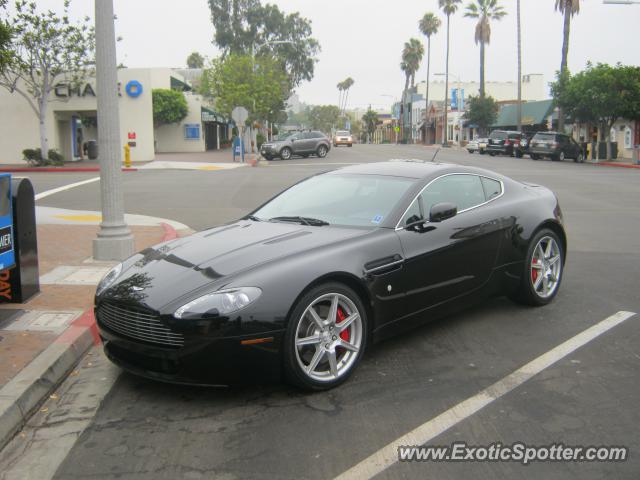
[[260, 139], [33, 156]]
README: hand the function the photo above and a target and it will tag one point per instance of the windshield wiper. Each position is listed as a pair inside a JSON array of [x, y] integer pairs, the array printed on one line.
[[314, 222], [254, 218]]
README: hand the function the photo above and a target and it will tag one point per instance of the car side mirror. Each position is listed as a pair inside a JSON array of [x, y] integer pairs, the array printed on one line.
[[442, 211]]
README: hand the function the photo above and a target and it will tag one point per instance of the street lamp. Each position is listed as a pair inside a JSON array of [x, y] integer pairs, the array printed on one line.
[[114, 241], [446, 127]]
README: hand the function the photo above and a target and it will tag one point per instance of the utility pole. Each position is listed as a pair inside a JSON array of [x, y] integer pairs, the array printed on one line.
[[519, 109], [114, 241]]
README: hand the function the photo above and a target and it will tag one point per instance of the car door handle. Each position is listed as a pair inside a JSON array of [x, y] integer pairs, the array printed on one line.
[[383, 265]]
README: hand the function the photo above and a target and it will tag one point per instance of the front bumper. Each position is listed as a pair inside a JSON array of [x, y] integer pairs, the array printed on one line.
[[202, 360]]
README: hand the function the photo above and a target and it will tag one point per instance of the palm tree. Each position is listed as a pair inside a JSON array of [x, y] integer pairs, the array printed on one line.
[[568, 8], [347, 84], [340, 87], [412, 55], [484, 11], [429, 25], [449, 7]]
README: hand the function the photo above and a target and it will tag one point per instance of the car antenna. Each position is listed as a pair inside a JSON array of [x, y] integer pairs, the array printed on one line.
[[433, 159]]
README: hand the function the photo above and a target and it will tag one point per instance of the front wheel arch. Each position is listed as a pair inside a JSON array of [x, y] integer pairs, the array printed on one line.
[[558, 230], [350, 281]]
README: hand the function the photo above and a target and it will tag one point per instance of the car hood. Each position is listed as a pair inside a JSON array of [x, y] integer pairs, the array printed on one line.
[[158, 275]]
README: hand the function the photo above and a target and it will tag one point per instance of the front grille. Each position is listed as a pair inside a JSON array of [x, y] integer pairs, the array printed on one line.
[[137, 324]]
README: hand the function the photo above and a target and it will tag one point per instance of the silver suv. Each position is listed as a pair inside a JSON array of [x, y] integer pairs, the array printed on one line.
[[297, 143]]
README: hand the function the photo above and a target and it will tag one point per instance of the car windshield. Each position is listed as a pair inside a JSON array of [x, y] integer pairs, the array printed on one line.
[[343, 133], [545, 137], [498, 135], [339, 199]]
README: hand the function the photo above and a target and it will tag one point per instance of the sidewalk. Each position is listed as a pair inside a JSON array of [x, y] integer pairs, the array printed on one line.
[[42, 340]]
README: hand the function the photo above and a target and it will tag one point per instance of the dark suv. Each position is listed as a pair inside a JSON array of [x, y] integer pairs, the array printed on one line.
[[298, 143], [506, 142], [556, 146]]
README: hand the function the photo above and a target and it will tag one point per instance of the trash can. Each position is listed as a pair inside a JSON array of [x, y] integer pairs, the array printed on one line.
[[92, 149]]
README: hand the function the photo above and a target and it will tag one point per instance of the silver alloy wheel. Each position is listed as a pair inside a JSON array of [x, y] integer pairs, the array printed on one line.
[[328, 337], [546, 267], [285, 153], [322, 151], [561, 156]]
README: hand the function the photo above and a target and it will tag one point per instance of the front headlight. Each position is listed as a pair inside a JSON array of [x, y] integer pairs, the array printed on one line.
[[222, 302], [109, 278]]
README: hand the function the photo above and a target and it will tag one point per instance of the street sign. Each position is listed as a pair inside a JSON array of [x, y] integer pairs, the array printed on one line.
[[240, 115]]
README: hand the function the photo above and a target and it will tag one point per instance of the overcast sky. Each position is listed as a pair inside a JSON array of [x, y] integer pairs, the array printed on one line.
[[364, 38]]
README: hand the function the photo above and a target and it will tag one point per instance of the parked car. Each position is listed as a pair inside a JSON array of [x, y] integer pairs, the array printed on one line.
[[343, 137], [477, 145], [304, 285], [505, 142], [556, 146], [298, 143]]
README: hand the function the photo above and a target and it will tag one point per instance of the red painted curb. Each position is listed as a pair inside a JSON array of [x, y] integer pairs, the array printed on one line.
[[619, 165], [77, 328], [61, 169], [169, 232]]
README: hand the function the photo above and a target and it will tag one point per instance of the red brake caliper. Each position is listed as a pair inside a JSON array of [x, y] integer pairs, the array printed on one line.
[[344, 335], [534, 271]]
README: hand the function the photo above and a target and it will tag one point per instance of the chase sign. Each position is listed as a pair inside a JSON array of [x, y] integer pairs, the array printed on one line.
[[7, 254]]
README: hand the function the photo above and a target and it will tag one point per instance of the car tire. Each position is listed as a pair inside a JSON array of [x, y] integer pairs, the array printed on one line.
[[470, 151], [534, 156], [285, 153], [492, 154], [309, 365], [533, 289], [322, 151]]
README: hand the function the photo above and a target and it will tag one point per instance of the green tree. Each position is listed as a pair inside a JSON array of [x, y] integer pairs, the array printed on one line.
[[370, 121], [260, 85], [45, 49], [429, 25], [324, 117], [568, 8], [600, 94], [195, 60], [484, 11], [169, 106], [344, 86], [483, 111], [242, 26], [449, 7], [5, 40]]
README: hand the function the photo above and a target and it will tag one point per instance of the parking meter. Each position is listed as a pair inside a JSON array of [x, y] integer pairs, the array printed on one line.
[[7, 253]]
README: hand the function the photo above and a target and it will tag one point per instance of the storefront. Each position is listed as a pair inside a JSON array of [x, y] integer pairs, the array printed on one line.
[[71, 119]]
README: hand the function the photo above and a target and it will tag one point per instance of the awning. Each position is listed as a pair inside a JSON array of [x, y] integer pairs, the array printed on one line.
[[533, 113], [209, 115]]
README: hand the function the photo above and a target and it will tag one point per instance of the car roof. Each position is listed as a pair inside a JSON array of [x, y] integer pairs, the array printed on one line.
[[412, 168]]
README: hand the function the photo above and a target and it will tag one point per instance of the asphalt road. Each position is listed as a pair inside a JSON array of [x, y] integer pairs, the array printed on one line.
[[148, 430]]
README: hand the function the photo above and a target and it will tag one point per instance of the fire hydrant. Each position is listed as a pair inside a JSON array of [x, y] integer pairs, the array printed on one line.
[[127, 156]]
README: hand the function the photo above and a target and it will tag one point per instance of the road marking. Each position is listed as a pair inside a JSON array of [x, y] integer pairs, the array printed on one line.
[[388, 455], [46, 193]]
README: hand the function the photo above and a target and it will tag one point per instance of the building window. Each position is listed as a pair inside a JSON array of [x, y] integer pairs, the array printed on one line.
[[627, 138], [192, 131]]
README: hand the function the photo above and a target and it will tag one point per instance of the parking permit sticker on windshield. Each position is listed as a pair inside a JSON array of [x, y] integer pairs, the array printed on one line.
[[377, 219]]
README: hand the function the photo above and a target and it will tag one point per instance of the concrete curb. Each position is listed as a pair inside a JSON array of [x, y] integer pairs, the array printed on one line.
[[24, 393], [60, 169]]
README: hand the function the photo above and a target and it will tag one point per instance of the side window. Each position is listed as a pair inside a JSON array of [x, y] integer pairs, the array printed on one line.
[[492, 188], [464, 191], [414, 214]]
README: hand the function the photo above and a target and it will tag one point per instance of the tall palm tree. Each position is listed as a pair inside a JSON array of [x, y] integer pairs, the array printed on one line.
[[347, 84], [429, 25], [340, 87], [484, 11], [568, 8], [449, 7], [412, 55]]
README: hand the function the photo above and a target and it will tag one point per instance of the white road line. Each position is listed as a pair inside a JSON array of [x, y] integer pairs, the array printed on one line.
[[388, 455], [46, 193]]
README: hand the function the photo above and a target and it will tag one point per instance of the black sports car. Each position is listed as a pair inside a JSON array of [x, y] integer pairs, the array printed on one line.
[[307, 282]]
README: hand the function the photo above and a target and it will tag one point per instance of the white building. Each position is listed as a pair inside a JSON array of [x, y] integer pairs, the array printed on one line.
[[71, 119], [533, 88]]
